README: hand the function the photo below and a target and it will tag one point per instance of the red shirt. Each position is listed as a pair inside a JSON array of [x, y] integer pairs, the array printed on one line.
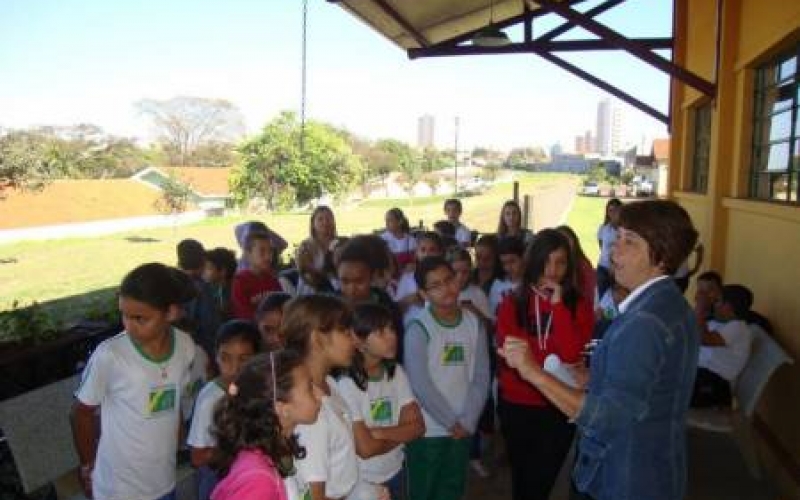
[[247, 291], [568, 335]]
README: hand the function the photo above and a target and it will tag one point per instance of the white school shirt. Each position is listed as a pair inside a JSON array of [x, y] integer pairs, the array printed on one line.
[[296, 488], [727, 361], [607, 235], [476, 295], [140, 402], [399, 245], [379, 406], [330, 447], [405, 287], [500, 288], [198, 375], [463, 235], [203, 417]]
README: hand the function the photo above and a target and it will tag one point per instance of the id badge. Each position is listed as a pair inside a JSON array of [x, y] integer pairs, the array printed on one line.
[[161, 400], [454, 354], [380, 410]]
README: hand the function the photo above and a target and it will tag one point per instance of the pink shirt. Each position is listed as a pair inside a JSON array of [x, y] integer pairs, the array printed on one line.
[[252, 477]]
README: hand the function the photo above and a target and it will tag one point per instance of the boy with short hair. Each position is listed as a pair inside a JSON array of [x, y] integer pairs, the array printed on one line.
[[407, 294], [724, 348], [201, 315], [447, 362], [268, 318], [219, 271], [510, 252], [453, 210], [237, 341], [252, 284], [356, 276]]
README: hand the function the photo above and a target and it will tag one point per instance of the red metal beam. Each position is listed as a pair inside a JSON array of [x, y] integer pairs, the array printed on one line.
[[534, 47], [606, 33], [391, 12], [595, 11]]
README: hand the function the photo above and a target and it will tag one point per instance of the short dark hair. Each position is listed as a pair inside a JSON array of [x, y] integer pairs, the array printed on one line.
[[433, 237], [711, 276], [273, 301], [511, 245], [445, 228], [426, 266], [254, 236], [739, 298], [665, 226], [224, 259], [158, 286], [454, 202], [368, 249], [191, 255], [238, 329]]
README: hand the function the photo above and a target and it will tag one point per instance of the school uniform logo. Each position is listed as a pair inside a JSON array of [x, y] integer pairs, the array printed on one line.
[[161, 400], [453, 354], [380, 410]]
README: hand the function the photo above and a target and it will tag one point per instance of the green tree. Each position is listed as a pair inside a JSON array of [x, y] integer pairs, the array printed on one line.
[[26, 162], [175, 196], [185, 124], [397, 156], [283, 159]]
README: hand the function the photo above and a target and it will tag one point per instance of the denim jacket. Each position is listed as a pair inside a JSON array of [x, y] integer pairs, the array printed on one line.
[[632, 423]]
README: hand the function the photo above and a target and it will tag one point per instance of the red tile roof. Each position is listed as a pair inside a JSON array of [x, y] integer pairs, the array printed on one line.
[[204, 181], [661, 149]]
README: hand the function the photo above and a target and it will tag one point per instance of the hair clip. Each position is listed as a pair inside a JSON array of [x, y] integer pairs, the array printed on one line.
[[233, 390]]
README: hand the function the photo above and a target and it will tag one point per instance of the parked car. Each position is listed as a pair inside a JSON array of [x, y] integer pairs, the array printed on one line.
[[591, 189], [645, 188]]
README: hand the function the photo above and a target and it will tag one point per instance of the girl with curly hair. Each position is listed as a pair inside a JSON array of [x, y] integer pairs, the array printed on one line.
[[254, 427]]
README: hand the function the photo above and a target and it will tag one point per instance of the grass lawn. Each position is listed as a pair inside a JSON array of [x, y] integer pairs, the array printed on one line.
[[70, 268], [585, 217]]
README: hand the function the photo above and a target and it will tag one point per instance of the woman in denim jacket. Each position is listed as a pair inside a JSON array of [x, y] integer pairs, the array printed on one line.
[[631, 417]]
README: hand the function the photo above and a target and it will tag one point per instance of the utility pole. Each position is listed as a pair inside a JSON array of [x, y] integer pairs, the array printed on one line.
[[455, 157]]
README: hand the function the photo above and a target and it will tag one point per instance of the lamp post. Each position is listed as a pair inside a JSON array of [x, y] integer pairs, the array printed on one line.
[[455, 158]]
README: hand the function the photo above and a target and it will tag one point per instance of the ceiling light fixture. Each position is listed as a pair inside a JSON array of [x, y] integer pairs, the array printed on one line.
[[491, 35]]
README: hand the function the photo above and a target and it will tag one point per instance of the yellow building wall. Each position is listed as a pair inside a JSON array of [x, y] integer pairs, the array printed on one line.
[[755, 243]]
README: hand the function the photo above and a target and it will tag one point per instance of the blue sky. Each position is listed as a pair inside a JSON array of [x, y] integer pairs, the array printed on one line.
[[89, 61]]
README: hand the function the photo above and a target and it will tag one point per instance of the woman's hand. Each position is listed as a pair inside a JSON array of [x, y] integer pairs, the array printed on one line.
[[517, 355], [553, 287], [580, 372]]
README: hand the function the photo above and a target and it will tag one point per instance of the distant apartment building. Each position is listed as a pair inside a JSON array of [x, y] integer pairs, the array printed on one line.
[[580, 145], [609, 127], [425, 126]]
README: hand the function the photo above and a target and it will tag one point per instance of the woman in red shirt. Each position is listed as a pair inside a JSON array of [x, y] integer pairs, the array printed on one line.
[[550, 314]]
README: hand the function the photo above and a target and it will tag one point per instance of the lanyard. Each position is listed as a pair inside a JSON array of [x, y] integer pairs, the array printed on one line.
[[541, 339]]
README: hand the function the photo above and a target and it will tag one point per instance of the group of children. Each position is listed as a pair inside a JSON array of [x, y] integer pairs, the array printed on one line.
[[365, 374]]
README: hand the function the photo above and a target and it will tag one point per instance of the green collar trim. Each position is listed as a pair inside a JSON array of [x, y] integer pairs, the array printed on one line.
[[152, 359], [444, 323]]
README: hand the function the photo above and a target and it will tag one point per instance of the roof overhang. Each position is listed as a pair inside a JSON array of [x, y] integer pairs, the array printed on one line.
[[437, 28]]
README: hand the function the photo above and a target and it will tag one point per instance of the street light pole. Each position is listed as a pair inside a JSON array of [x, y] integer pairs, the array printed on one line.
[[455, 157]]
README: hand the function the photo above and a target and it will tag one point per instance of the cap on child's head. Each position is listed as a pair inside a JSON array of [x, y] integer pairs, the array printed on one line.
[[191, 255]]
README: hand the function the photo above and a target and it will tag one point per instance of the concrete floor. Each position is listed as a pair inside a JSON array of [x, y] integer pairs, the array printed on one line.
[[717, 471]]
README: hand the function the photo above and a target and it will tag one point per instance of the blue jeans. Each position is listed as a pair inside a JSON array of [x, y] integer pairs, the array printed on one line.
[[169, 496], [397, 485]]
